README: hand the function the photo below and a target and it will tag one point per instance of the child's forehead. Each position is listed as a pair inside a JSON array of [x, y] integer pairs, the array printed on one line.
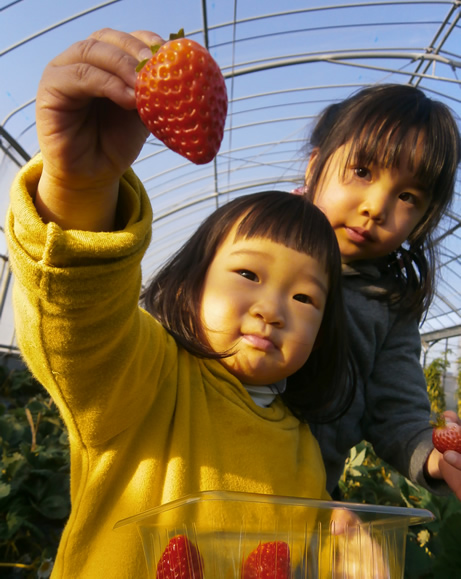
[[263, 245]]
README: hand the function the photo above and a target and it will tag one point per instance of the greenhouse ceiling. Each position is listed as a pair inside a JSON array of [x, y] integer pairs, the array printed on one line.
[[281, 68]]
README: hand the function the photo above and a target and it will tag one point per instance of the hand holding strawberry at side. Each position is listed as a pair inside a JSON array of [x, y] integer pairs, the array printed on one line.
[[444, 462]]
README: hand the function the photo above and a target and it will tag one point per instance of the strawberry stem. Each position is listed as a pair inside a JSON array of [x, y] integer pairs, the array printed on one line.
[[439, 422], [176, 35]]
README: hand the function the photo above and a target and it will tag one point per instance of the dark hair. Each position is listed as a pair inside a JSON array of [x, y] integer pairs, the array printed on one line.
[[381, 123], [320, 389]]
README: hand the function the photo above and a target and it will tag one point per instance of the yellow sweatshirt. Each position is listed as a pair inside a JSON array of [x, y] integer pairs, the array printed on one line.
[[148, 422]]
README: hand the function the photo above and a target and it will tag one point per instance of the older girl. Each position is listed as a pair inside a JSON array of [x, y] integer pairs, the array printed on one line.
[[382, 168]]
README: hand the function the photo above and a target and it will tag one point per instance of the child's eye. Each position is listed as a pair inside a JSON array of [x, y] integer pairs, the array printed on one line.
[[408, 197], [303, 298], [362, 172], [246, 273]]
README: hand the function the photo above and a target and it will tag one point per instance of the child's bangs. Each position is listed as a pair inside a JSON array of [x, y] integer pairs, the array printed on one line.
[[293, 222]]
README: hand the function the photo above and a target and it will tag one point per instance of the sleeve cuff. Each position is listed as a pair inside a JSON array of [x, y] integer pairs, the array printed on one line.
[[54, 247]]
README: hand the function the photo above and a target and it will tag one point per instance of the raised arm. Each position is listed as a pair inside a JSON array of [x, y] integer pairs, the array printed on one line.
[[88, 128]]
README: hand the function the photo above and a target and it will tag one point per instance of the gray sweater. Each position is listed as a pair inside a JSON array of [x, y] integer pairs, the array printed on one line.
[[391, 408]]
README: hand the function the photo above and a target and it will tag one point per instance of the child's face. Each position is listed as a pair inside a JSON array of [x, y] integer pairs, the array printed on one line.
[[372, 209], [264, 302]]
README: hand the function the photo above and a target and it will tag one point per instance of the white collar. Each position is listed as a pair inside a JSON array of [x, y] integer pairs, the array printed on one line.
[[263, 396]]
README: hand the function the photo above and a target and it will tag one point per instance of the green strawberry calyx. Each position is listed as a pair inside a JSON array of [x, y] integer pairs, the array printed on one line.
[[439, 422], [154, 48]]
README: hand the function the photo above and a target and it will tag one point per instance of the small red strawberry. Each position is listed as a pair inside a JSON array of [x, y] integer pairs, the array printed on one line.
[[181, 97], [180, 560], [268, 561], [446, 435]]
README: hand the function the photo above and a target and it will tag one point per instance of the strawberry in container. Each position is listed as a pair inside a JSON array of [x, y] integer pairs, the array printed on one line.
[[236, 535]]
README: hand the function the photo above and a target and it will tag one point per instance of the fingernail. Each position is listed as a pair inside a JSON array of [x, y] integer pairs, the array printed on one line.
[[145, 54], [451, 457]]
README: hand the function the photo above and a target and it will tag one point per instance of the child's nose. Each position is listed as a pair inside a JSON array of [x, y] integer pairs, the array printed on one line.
[[270, 310], [375, 205]]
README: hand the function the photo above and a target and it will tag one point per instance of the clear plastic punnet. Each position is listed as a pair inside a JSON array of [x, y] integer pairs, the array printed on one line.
[[234, 535]]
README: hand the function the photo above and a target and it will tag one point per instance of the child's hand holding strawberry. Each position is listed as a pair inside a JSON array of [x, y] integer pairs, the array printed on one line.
[[88, 124], [446, 465], [88, 127]]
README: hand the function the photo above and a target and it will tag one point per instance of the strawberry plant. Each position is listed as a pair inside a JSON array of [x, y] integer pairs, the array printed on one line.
[[434, 378], [432, 549], [181, 97], [34, 476], [34, 490]]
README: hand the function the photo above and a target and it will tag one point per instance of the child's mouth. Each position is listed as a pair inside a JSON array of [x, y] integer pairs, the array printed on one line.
[[358, 234], [259, 342]]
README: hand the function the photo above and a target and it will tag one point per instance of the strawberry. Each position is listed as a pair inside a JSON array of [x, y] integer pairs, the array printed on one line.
[[180, 560], [268, 561], [446, 435], [181, 97]]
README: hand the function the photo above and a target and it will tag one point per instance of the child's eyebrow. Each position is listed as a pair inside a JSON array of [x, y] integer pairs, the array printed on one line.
[[254, 252], [424, 190], [318, 283], [418, 184]]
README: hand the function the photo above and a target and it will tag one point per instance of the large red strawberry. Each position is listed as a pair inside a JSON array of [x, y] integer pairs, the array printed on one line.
[[180, 560], [446, 435], [268, 561], [181, 97]]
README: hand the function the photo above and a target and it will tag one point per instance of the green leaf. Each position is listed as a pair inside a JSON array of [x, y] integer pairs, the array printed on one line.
[[358, 459], [54, 507], [354, 472], [64, 438], [14, 466], [5, 428], [449, 559], [417, 561], [14, 522], [5, 490], [37, 406]]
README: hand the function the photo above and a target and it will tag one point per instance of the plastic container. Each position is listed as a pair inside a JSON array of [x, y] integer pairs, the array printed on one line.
[[324, 538]]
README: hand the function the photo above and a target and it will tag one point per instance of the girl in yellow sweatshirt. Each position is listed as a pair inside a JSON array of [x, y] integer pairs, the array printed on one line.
[[190, 393]]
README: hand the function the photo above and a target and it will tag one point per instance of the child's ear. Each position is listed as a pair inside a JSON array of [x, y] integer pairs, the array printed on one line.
[[310, 167]]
